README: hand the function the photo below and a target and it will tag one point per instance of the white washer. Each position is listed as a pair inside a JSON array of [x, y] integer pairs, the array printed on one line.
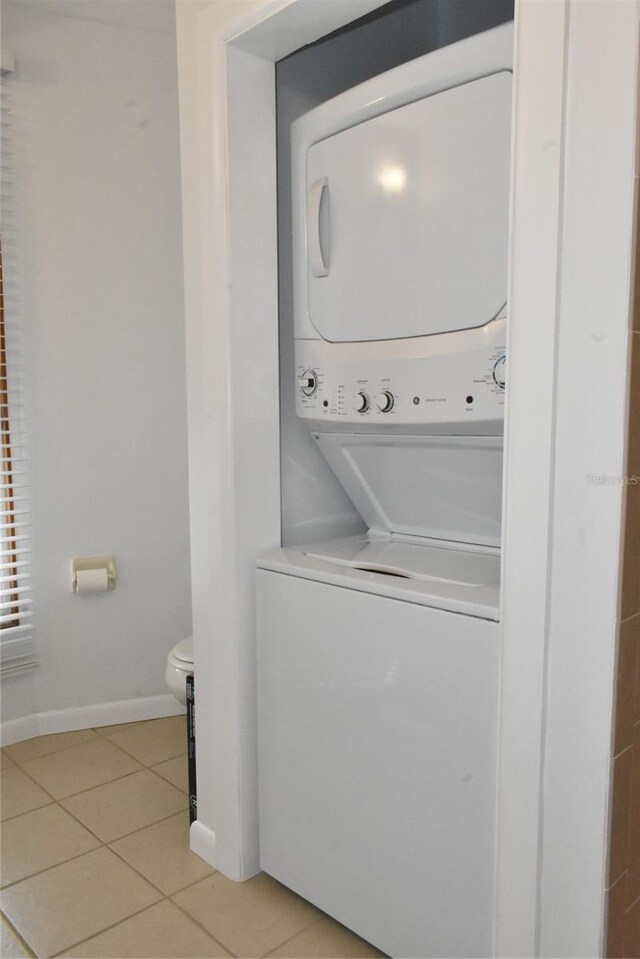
[[377, 731], [378, 654]]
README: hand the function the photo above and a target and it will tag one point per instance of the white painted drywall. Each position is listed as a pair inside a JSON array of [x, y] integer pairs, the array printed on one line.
[[97, 189], [156, 15]]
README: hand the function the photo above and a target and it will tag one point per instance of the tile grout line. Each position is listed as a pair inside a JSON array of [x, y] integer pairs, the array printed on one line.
[[166, 895], [156, 822], [54, 752], [99, 737], [148, 765], [59, 802], [291, 938], [89, 788], [113, 925], [121, 727], [18, 935], [107, 842], [142, 763], [102, 737], [185, 791], [40, 872], [49, 868], [81, 792], [300, 931], [102, 843], [75, 819], [323, 915], [117, 778], [190, 885], [198, 923], [105, 845], [163, 895], [138, 913], [52, 802], [106, 739], [45, 791]]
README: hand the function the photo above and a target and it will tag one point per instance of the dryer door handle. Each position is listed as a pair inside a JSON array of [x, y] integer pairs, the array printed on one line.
[[318, 227]]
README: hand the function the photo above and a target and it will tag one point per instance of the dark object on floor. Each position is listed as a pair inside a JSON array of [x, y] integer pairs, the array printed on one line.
[[191, 750]]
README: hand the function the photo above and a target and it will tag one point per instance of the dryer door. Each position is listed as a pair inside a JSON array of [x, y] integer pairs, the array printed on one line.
[[407, 217]]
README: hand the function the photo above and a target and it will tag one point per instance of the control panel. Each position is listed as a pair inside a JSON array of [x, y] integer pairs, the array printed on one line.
[[448, 381]]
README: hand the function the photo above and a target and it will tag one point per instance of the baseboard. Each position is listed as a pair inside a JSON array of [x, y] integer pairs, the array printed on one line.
[[84, 717], [15, 730], [202, 841]]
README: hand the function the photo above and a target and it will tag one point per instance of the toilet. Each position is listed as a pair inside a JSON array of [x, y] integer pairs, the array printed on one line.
[[179, 666]]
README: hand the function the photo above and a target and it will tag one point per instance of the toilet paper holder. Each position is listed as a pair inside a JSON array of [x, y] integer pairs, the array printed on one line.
[[81, 564]]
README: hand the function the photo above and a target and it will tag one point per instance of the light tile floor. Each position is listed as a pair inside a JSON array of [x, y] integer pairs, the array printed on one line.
[[96, 860]]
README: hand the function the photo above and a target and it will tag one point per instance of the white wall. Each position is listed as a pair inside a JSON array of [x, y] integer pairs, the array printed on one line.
[[95, 110]]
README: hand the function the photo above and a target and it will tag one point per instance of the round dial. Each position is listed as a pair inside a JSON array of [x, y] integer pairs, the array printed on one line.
[[308, 382], [500, 372], [387, 400], [362, 402]]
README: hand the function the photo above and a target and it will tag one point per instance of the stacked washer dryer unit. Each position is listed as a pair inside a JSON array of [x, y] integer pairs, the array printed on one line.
[[378, 654]]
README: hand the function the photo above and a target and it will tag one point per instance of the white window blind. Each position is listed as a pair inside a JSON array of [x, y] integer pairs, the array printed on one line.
[[16, 613]]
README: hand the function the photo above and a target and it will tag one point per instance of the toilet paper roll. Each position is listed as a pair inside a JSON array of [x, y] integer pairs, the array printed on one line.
[[92, 581]]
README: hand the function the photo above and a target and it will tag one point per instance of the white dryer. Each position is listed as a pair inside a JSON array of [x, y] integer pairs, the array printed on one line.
[[378, 654]]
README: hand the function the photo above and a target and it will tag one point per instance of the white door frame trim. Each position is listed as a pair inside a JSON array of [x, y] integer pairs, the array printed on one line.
[[227, 50], [226, 55], [529, 450]]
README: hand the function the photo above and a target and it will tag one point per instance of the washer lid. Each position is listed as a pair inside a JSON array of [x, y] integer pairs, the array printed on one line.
[[183, 651], [444, 577], [427, 564], [436, 487]]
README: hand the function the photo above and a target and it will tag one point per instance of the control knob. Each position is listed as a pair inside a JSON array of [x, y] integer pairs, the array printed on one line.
[[362, 402], [308, 382], [386, 401], [500, 372]]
